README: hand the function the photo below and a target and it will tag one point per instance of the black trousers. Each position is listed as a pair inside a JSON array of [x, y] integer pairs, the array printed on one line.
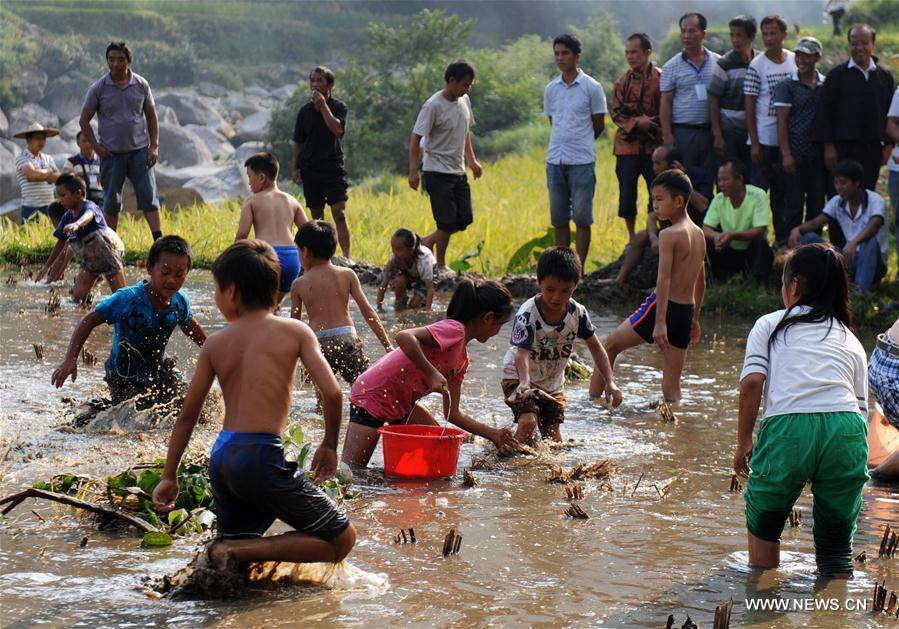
[[805, 189], [629, 169], [757, 260]]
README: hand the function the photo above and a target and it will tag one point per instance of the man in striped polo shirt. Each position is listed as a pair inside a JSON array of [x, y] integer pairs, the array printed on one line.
[[36, 171], [684, 109]]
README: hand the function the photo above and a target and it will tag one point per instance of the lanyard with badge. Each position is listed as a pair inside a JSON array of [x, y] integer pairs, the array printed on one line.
[[702, 93]]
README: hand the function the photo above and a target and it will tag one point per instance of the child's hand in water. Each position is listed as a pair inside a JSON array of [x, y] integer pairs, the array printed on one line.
[[324, 463], [66, 368], [504, 440], [613, 394], [522, 392], [165, 494], [741, 459]]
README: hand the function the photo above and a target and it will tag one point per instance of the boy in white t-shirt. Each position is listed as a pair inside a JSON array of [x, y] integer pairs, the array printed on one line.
[[764, 73], [543, 336]]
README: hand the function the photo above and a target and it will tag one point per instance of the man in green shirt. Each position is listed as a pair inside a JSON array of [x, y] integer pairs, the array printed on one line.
[[736, 227]]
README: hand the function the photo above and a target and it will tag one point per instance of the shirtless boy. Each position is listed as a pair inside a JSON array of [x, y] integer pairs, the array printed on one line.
[[270, 212], [670, 315], [251, 483], [326, 291]]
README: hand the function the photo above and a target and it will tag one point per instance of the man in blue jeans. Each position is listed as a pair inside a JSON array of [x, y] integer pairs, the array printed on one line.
[[129, 136], [862, 216], [576, 106]]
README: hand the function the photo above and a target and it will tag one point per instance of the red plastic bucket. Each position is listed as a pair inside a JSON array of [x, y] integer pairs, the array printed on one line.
[[421, 451]]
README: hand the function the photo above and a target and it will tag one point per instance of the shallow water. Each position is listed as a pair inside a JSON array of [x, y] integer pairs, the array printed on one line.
[[637, 559]]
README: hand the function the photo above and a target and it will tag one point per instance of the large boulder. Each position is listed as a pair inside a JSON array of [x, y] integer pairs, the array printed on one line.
[[245, 150], [207, 184], [9, 187], [31, 83], [4, 125], [242, 104], [60, 150], [166, 114], [211, 90], [217, 143], [180, 147], [193, 109], [65, 97], [69, 131], [283, 93], [22, 117], [252, 127], [258, 91]]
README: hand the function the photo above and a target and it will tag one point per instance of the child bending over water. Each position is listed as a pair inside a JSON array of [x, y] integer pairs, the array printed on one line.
[[326, 289], [812, 372], [410, 269], [255, 360], [145, 315], [543, 336], [429, 359], [670, 315], [270, 212]]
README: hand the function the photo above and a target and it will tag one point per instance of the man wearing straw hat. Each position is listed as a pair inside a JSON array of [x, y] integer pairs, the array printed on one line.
[[36, 171]]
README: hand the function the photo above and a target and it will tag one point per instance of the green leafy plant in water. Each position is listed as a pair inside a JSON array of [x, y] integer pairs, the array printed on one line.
[[525, 257], [295, 445], [577, 369], [463, 264]]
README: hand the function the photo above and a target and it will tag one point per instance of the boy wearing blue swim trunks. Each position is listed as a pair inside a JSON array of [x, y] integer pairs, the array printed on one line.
[[670, 315], [255, 360], [270, 212]]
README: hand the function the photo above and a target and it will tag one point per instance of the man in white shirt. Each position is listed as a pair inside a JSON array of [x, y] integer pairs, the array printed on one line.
[[36, 171], [765, 72], [446, 120], [576, 106]]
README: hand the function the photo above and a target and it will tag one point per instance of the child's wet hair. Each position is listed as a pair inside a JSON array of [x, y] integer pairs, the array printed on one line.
[[319, 238], [175, 245], [559, 262], [72, 183], [264, 163], [823, 287], [474, 298], [252, 267], [675, 182], [849, 169], [410, 239]]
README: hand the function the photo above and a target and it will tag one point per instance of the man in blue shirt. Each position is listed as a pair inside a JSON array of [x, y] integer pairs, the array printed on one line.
[[576, 106]]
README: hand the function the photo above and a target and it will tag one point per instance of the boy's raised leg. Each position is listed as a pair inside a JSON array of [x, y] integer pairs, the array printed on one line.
[[622, 338], [527, 424], [116, 281], [672, 365], [84, 284], [294, 547]]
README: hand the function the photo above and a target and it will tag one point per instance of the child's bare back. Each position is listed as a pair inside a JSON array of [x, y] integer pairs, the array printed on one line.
[[687, 245], [256, 374], [271, 213], [324, 290]]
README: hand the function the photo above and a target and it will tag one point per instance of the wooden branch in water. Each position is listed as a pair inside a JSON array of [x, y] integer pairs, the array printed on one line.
[[14, 500]]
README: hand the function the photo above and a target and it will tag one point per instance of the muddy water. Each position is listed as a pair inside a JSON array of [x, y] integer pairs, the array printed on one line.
[[637, 559]]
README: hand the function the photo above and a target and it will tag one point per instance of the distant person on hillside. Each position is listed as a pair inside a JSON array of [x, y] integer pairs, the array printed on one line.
[[765, 72], [318, 153], [727, 107], [836, 9], [86, 164], [410, 271], [129, 136], [852, 112], [445, 120], [576, 107], [861, 215], [736, 227], [663, 158], [36, 171], [795, 100], [635, 111], [271, 213]]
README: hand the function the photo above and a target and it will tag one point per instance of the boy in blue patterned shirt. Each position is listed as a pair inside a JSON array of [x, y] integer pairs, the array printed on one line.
[[144, 315]]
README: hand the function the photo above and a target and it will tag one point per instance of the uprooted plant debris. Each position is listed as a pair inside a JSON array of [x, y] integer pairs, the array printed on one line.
[[577, 512], [888, 543], [582, 471]]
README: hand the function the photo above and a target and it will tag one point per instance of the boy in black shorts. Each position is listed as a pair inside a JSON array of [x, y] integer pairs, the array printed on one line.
[[318, 155], [255, 360], [670, 315]]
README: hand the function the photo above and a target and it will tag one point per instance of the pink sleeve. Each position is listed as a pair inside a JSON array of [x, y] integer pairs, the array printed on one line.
[[447, 333]]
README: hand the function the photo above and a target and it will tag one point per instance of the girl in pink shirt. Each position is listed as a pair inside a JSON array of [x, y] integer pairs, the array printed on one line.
[[428, 359]]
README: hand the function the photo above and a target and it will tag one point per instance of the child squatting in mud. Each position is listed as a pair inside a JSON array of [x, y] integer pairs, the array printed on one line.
[[252, 484]]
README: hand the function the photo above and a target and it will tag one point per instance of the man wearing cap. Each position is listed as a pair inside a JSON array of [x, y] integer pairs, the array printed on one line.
[[129, 136], [36, 171], [795, 102]]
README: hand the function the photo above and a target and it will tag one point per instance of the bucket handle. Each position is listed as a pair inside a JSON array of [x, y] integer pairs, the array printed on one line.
[[447, 407]]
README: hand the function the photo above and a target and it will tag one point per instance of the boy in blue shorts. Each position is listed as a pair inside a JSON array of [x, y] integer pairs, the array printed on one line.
[[543, 336], [144, 315], [670, 315], [255, 360], [270, 212]]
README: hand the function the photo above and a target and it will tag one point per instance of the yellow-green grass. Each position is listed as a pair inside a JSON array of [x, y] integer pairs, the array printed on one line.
[[510, 207]]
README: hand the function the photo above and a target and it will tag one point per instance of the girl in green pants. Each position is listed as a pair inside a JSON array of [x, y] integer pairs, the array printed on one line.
[[812, 371]]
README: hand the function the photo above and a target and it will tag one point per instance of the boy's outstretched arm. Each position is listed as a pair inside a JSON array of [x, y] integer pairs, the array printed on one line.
[[299, 215], [324, 461], [195, 331], [501, 437], [69, 364], [86, 217], [54, 254], [523, 368], [166, 492], [603, 367], [382, 290], [245, 222], [698, 296], [751, 390], [663, 287], [371, 317], [296, 304], [429, 295]]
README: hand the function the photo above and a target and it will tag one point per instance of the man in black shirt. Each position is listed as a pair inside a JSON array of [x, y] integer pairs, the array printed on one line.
[[318, 155]]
